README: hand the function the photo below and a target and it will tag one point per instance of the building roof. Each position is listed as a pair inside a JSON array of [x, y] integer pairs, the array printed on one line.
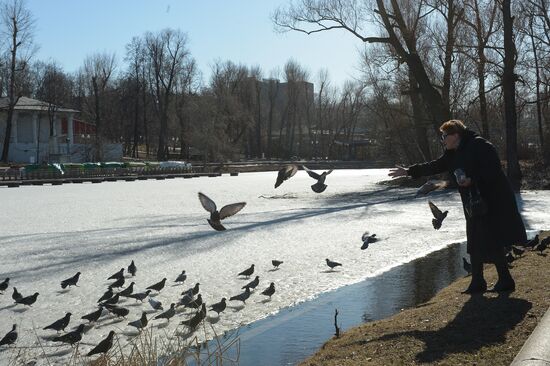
[[29, 104]]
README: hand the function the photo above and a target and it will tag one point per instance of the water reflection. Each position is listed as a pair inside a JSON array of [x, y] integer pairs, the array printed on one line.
[[297, 332]]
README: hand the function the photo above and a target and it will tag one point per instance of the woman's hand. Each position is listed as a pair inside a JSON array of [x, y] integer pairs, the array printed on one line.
[[466, 182], [398, 171]]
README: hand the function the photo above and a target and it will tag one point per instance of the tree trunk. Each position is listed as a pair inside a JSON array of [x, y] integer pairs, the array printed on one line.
[[420, 129], [509, 89]]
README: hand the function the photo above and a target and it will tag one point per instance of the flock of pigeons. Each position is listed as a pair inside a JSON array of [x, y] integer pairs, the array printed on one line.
[[111, 301]]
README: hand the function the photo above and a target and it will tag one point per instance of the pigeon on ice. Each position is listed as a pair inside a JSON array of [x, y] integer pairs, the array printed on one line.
[[320, 186], [252, 284], [104, 346], [196, 319], [60, 324], [193, 290], [466, 265], [140, 296], [128, 290], [141, 322], [168, 313], [439, 216], [269, 291], [16, 295], [93, 316], [4, 285], [181, 277], [132, 269], [118, 311], [10, 337], [157, 286], [113, 300], [276, 263], [29, 300], [247, 272], [285, 173], [195, 304], [70, 281], [116, 276], [215, 216], [332, 264], [155, 304], [107, 295], [72, 337], [367, 239], [242, 296], [118, 283], [219, 306]]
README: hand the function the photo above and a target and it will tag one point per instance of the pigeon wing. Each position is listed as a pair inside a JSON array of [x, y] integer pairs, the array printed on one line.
[[365, 236], [435, 211], [328, 172], [232, 209], [312, 174], [207, 203]]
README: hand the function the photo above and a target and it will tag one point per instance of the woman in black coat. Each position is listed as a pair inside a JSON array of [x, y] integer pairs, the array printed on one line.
[[494, 222]]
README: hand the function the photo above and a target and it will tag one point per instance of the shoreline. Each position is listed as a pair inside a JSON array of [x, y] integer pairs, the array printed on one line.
[[451, 328]]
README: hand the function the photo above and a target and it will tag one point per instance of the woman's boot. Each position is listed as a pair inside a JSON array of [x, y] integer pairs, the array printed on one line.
[[505, 281], [478, 284]]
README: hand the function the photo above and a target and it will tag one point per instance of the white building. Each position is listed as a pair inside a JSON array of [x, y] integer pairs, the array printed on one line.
[[71, 140]]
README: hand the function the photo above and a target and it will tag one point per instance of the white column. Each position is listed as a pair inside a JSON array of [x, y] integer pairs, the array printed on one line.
[[70, 128]]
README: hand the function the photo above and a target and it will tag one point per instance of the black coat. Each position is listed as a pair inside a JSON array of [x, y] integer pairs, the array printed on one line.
[[502, 225]]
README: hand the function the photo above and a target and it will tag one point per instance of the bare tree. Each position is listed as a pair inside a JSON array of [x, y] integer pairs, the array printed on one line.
[[167, 51], [18, 28]]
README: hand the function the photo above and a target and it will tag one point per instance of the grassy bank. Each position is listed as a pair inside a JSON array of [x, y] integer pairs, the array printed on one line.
[[452, 328]]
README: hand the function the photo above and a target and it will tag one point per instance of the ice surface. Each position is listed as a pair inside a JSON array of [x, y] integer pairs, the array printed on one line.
[[48, 233]]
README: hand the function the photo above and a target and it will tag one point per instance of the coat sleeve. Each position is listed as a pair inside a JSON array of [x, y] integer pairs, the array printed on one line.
[[440, 165], [488, 160]]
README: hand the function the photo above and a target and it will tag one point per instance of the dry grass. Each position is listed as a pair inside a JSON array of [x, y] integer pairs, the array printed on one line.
[[452, 328]]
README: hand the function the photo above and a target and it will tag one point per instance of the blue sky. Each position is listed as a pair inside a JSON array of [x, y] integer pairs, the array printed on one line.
[[237, 30]]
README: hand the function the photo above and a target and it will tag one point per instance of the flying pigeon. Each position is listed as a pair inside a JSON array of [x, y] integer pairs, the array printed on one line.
[[219, 306], [431, 185], [10, 337], [116, 276], [285, 173], [4, 285], [439, 216], [140, 295], [107, 295], [181, 277], [215, 216], [168, 313], [93, 316], [16, 294], [132, 269], [332, 264], [155, 304], [320, 186], [72, 337], [70, 281], [466, 265], [252, 284], [247, 272], [29, 300], [128, 290], [141, 322], [269, 291], [242, 296], [60, 324], [276, 263], [104, 346], [367, 239]]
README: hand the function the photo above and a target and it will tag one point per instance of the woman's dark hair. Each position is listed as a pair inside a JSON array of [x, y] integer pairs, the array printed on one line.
[[453, 126]]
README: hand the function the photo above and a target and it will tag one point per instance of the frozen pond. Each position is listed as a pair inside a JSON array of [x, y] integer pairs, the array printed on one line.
[[48, 233]]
